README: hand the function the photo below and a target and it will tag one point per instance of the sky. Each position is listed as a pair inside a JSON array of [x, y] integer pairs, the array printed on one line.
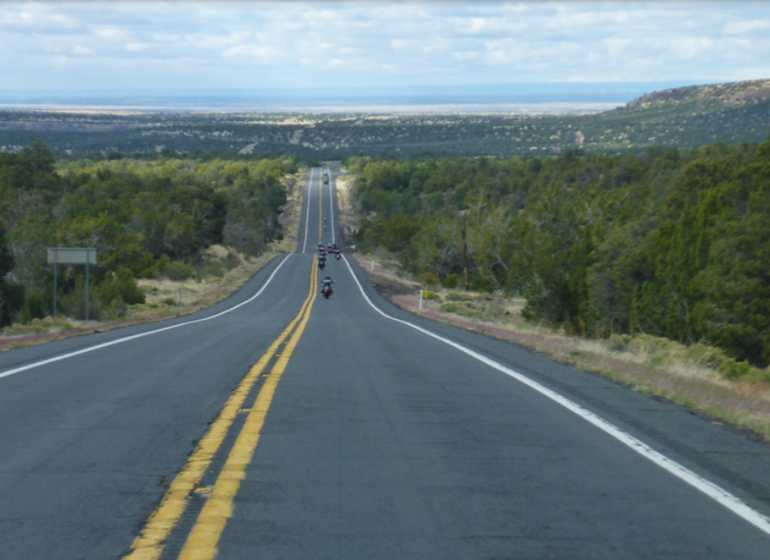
[[176, 46]]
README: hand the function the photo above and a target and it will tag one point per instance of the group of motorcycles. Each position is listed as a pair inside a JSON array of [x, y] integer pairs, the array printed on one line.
[[332, 249]]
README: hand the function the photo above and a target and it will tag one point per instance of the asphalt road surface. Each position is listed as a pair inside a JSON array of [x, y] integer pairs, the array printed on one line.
[[282, 425]]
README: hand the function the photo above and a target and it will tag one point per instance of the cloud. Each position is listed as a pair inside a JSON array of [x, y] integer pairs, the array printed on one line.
[[251, 51], [478, 25], [136, 47], [466, 55], [746, 27], [374, 42], [109, 33]]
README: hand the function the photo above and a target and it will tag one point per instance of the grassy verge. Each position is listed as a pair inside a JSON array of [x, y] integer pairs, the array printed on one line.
[[698, 377], [165, 298]]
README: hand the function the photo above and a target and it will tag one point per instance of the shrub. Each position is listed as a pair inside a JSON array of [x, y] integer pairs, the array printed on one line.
[[457, 296], [154, 269], [116, 309], [432, 296], [179, 271], [618, 343], [35, 307], [427, 278], [121, 286], [706, 356], [232, 260], [479, 284], [451, 281], [210, 268], [456, 308], [735, 370], [74, 304]]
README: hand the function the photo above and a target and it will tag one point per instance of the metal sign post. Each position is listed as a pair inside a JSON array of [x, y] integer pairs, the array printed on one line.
[[70, 255]]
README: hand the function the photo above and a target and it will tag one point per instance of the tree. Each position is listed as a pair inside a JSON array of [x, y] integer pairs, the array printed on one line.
[[11, 295]]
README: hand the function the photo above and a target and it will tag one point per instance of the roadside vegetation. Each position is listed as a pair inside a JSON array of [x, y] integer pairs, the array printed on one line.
[[656, 261], [670, 243], [696, 376], [166, 219]]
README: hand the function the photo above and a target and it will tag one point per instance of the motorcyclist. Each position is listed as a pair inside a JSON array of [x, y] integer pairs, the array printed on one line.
[[327, 283]]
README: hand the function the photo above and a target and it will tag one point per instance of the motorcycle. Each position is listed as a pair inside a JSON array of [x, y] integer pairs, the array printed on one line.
[[337, 255], [321, 263], [327, 291]]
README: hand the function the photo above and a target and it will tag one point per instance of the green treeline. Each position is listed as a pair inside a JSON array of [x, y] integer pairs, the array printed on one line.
[[146, 218], [674, 243]]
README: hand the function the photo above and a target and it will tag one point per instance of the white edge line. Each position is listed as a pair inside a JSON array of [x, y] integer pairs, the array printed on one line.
[[713, 491], [331, 206], [140, 335], [307, 214]]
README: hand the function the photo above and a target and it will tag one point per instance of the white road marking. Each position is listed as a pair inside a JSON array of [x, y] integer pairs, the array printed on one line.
[[331, 206], [140, 335], [713, 491], [307, 215]]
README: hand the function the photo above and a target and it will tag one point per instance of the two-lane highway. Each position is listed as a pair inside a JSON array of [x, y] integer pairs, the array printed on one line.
[[361, 432]]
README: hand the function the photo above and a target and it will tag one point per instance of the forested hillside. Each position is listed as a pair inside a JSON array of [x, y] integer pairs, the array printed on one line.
[[146, 218], [669, 242]]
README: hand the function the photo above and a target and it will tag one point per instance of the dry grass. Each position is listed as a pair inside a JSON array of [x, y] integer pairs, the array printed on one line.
[[165, 298], [689, 376], [347, 219]]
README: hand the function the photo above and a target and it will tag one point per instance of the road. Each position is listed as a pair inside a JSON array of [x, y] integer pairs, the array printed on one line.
[[279, 424]]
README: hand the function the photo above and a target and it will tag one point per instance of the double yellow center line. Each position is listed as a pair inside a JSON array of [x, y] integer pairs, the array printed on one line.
[[204, 537]]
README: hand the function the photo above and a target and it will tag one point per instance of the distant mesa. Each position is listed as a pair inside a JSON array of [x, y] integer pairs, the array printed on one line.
[[728, 95]]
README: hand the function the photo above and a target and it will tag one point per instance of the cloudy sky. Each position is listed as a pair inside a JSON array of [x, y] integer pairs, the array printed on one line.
[[182, 45]]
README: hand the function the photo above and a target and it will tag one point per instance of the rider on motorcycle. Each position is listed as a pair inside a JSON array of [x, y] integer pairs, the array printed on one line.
[[327, 283]]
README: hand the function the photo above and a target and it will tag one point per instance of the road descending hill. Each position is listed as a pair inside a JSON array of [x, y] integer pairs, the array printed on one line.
[[279, 424]]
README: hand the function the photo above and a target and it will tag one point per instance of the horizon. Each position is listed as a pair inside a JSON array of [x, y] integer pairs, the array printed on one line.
[[522, 97]]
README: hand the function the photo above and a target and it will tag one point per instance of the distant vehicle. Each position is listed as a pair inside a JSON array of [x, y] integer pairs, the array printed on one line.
[[326, 180]]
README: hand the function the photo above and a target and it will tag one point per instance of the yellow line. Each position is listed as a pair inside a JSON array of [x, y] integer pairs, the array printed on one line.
[[149, 544], [202, 542]]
